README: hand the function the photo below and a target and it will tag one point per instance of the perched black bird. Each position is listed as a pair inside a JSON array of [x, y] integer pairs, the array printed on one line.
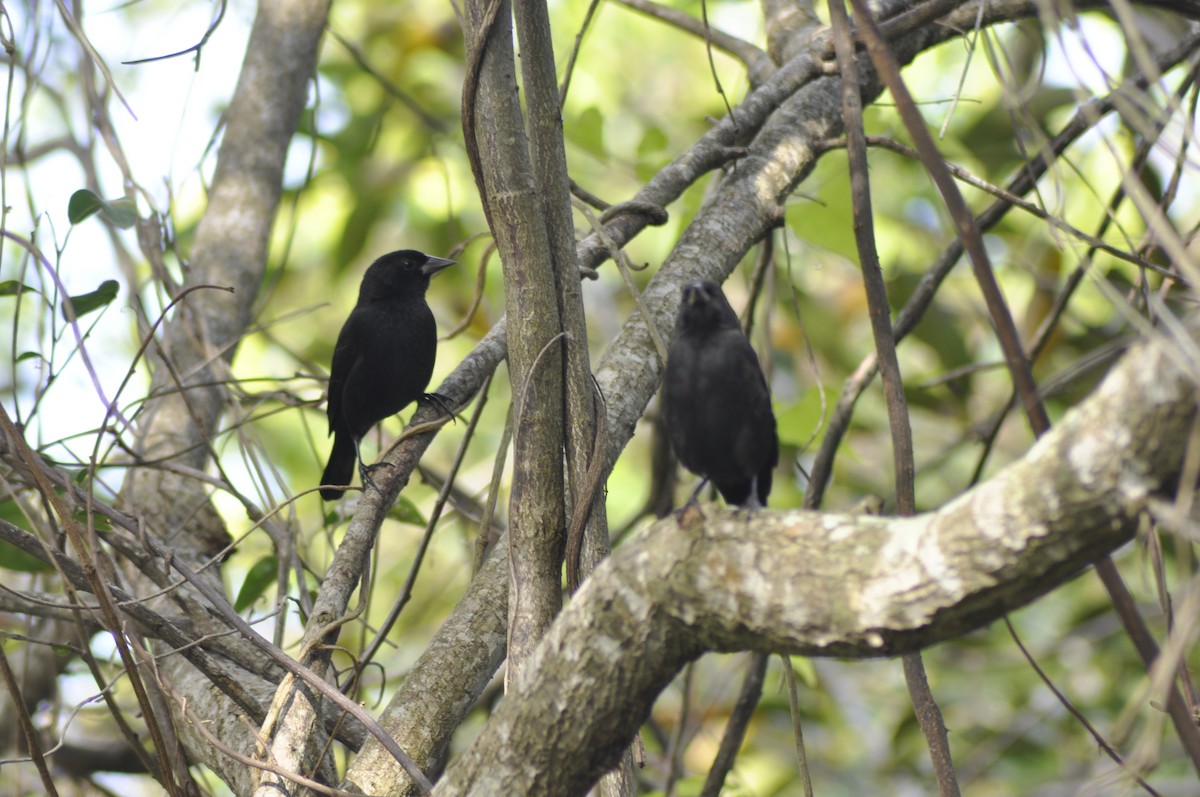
[[384, 356], [715, 399]]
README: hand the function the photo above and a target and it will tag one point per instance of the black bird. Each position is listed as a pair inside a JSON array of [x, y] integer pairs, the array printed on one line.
[[383, 359], [715, 399]]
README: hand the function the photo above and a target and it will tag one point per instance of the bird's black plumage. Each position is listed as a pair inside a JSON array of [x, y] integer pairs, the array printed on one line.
[[384, 355], [716, 402]]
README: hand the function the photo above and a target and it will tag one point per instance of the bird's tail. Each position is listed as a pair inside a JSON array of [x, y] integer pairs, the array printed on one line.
[[341, 465]]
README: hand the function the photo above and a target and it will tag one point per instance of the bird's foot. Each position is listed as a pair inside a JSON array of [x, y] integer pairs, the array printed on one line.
[[746, 512], [751, 504], [364, 473], [691, 513], [442, 403]]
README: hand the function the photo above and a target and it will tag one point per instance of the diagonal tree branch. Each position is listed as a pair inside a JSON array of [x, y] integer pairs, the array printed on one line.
[[831, 585]]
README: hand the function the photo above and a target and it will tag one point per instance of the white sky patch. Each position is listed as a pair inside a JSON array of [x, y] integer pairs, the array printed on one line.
[[1075, 59], [176, 107]]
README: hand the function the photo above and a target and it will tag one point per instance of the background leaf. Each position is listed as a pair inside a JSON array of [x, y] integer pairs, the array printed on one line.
[[85, 303], [14, 287], [121, 212], [405, 511], [262, 574]]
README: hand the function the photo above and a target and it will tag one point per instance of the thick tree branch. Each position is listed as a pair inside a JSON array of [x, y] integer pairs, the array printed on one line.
[[621, 378], [442, 686], [495, 131], [831, 585], [548, 162]]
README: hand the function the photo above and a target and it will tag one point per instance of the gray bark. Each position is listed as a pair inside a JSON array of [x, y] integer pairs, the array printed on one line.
[[230, 252], [830, 585], [537, 519]]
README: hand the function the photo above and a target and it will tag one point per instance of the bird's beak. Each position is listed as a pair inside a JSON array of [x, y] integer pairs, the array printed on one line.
[[692, 294], [435, 264]]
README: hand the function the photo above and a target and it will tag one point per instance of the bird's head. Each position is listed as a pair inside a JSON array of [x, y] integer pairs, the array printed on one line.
[[703, 306], [398, 273]]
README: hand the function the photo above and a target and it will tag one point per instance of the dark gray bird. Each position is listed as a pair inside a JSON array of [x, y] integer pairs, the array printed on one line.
[[716, 402], [383, 359]]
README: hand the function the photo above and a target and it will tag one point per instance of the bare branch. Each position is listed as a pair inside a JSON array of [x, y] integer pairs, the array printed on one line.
[[831, 585]]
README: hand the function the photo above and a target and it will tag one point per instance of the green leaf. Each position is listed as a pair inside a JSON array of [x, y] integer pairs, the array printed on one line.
[[262, 575], [406, 511], [120, 212], [29, 355], [11, 511], [13, 287], [83, 203], [588, 132], [797, 422], [87, 302], [651, 152], [13, 558], [100, 522]]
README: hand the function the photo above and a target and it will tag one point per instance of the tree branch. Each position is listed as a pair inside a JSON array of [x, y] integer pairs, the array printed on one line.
[[230, 250], [830, 585], [516, 215]]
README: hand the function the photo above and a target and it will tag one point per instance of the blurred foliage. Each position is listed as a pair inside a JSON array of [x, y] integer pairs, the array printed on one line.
[[379, 165]]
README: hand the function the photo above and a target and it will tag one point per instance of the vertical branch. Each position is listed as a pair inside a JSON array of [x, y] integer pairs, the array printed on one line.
[[793, 696], [1006, 333], [495, 136], [739, 720], [589, 528], [888, 69], [32, 743], [929, 716], [864, 237]]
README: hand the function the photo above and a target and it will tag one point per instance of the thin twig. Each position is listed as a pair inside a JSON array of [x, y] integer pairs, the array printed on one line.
[[735, 728], [196, 48], [676, 745], [1108, 749], [443, 495], [756, 60], [793, 696], [33, 743], [929, 716], [569, 69]]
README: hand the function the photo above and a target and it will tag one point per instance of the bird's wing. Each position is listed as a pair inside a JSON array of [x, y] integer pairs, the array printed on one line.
[[756, 413], [344, 356]]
